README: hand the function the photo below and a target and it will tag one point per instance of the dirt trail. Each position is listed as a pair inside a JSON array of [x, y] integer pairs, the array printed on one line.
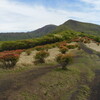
[[95, 95], [95, 86], [8, 85]]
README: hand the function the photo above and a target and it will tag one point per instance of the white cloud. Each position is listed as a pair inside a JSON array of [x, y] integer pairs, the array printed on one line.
[[16, 16]]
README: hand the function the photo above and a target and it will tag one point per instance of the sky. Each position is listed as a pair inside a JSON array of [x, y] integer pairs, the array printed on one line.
[[28, 15]]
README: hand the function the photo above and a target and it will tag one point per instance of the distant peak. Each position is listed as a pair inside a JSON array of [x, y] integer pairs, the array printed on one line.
[[71, 20]]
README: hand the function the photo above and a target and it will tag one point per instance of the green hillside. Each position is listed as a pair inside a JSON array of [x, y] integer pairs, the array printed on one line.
[[67, 35], [68, 25], [28, 35], [80, 27]]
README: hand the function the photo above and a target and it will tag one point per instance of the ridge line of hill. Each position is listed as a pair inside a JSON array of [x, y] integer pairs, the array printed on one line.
[[74, 25]]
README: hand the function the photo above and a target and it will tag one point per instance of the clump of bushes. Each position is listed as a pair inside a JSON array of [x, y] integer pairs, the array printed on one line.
[[25, 44], [39, 48], [72, 46], [60, 44], [98, 43], [19, 51], [63, 49], [28, 52], [79, 48], [64, 59], [40, 56], [9, 60]]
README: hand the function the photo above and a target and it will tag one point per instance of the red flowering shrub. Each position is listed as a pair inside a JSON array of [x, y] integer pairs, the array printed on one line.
[[9, 60], [13, 51], [64, 59], [18, 51], [40, 57]]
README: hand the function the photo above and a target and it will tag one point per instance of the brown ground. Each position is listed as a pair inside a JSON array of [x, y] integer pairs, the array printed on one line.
[[12, 84]]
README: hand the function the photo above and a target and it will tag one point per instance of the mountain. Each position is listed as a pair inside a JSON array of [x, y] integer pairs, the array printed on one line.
[[74, 25], [80, 27], [28, 35]]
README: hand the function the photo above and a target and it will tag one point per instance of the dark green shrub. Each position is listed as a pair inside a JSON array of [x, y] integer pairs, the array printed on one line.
[[25, 44]]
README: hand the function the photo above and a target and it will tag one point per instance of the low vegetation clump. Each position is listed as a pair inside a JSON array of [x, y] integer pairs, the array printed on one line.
[[82, 39], [28, 52], [64, 59], [63, 49], [39, 48], [72, 46], [98, 43], [9, 60], [40, 56], [19, 51], [64, 43], [79, 48]]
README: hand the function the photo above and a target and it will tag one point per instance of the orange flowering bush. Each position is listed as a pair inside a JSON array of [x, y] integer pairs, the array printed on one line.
[[10, 58], [64, 59], [40, 56]]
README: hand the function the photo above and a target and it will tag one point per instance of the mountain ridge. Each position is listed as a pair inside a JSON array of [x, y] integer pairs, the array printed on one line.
[[74, 25], [27, 35]]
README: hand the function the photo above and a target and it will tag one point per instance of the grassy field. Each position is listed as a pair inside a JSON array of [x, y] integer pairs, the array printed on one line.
[[49, 81]]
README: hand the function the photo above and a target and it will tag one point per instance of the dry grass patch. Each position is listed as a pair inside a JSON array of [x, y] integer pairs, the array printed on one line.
[[25, 59], [93, 46]]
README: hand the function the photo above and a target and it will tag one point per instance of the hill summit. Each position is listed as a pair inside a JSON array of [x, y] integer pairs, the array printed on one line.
[[82, 27]]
